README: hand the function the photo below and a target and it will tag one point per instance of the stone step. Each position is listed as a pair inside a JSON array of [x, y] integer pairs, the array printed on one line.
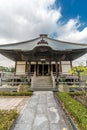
[[43, 82], [41, 89], [43, 85]]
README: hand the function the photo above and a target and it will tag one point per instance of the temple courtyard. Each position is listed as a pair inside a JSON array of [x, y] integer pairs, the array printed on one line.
[[41, 112]]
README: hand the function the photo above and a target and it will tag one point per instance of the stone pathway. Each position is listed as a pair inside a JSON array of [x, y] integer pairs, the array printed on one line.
[[41, 112], [8, 103]]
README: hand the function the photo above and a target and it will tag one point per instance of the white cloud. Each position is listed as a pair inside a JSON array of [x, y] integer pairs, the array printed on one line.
[[70, 32], [25, 19]]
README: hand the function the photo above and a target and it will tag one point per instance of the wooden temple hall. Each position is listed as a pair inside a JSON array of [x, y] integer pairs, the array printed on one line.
[[43, 56]]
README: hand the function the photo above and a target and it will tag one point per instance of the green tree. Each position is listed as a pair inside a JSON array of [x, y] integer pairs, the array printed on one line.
[[80, 69], [7, 69]]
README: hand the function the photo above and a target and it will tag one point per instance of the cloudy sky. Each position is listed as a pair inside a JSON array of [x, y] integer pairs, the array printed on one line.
[[61, 19]]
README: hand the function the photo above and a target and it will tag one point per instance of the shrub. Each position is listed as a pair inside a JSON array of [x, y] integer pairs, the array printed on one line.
[[77, 111], [76, 93], [15, 93], [23, 88], [7, 118]]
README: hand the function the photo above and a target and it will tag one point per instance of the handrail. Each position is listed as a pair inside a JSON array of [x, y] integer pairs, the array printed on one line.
[[53, 79], [14, 80], [32, 80]]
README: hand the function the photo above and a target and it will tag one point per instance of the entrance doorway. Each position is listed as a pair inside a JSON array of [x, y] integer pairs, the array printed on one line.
[[54, 68], [43, 69], [32, 69], [40, 69]]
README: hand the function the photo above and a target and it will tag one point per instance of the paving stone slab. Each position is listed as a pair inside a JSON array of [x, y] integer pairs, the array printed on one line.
[[22, 127], [54, 126], [41, 109], [27, 117], [53, 115], [41, 122]]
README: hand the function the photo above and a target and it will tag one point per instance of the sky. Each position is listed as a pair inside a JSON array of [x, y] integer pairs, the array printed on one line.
[[23, 20]]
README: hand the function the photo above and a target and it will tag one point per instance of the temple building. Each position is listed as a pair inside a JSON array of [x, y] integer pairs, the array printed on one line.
[[43, 55]]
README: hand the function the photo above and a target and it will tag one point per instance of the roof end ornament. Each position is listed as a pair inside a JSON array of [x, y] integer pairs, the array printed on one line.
[[42, 41], [43, 35]]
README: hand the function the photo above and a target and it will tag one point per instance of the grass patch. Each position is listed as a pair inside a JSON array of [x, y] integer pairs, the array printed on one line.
[[16, 93], [7, 118], [77, 111]]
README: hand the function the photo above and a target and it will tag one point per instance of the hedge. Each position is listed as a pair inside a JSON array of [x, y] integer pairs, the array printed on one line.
[[76, 93], [7, 118], [16, 93], [77, 111]]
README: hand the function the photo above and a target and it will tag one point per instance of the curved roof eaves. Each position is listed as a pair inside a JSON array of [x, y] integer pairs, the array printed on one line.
[[66, 42], [18, 43], [27, 45], [61, 45]]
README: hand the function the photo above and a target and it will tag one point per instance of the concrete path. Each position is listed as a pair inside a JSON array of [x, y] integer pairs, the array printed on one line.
[[41, 112]]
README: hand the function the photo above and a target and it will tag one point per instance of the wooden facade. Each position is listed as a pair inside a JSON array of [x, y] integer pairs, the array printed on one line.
[[42, 68]]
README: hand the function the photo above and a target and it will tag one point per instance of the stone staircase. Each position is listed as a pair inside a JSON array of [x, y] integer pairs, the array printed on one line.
[[42, 83]]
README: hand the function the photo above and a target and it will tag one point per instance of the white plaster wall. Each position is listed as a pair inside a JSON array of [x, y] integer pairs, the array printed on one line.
[[65, 66], [20, 68]]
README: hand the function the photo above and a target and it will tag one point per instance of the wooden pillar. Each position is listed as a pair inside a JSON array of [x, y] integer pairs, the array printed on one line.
[[70, 63], [37, 71], [29, 69], [60, 67], [15, 67], [49, 68], [42, 68], [35, 68], [56, 69], [26, 68], [52, 67]]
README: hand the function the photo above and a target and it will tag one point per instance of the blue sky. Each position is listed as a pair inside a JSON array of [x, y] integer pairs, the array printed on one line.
[[23, 20], [73, 8]]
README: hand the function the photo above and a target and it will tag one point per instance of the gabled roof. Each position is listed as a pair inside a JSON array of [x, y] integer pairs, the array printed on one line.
[[41, 47]]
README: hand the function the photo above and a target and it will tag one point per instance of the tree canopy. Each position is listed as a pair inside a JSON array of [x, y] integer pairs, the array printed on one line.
[[78, 69]]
